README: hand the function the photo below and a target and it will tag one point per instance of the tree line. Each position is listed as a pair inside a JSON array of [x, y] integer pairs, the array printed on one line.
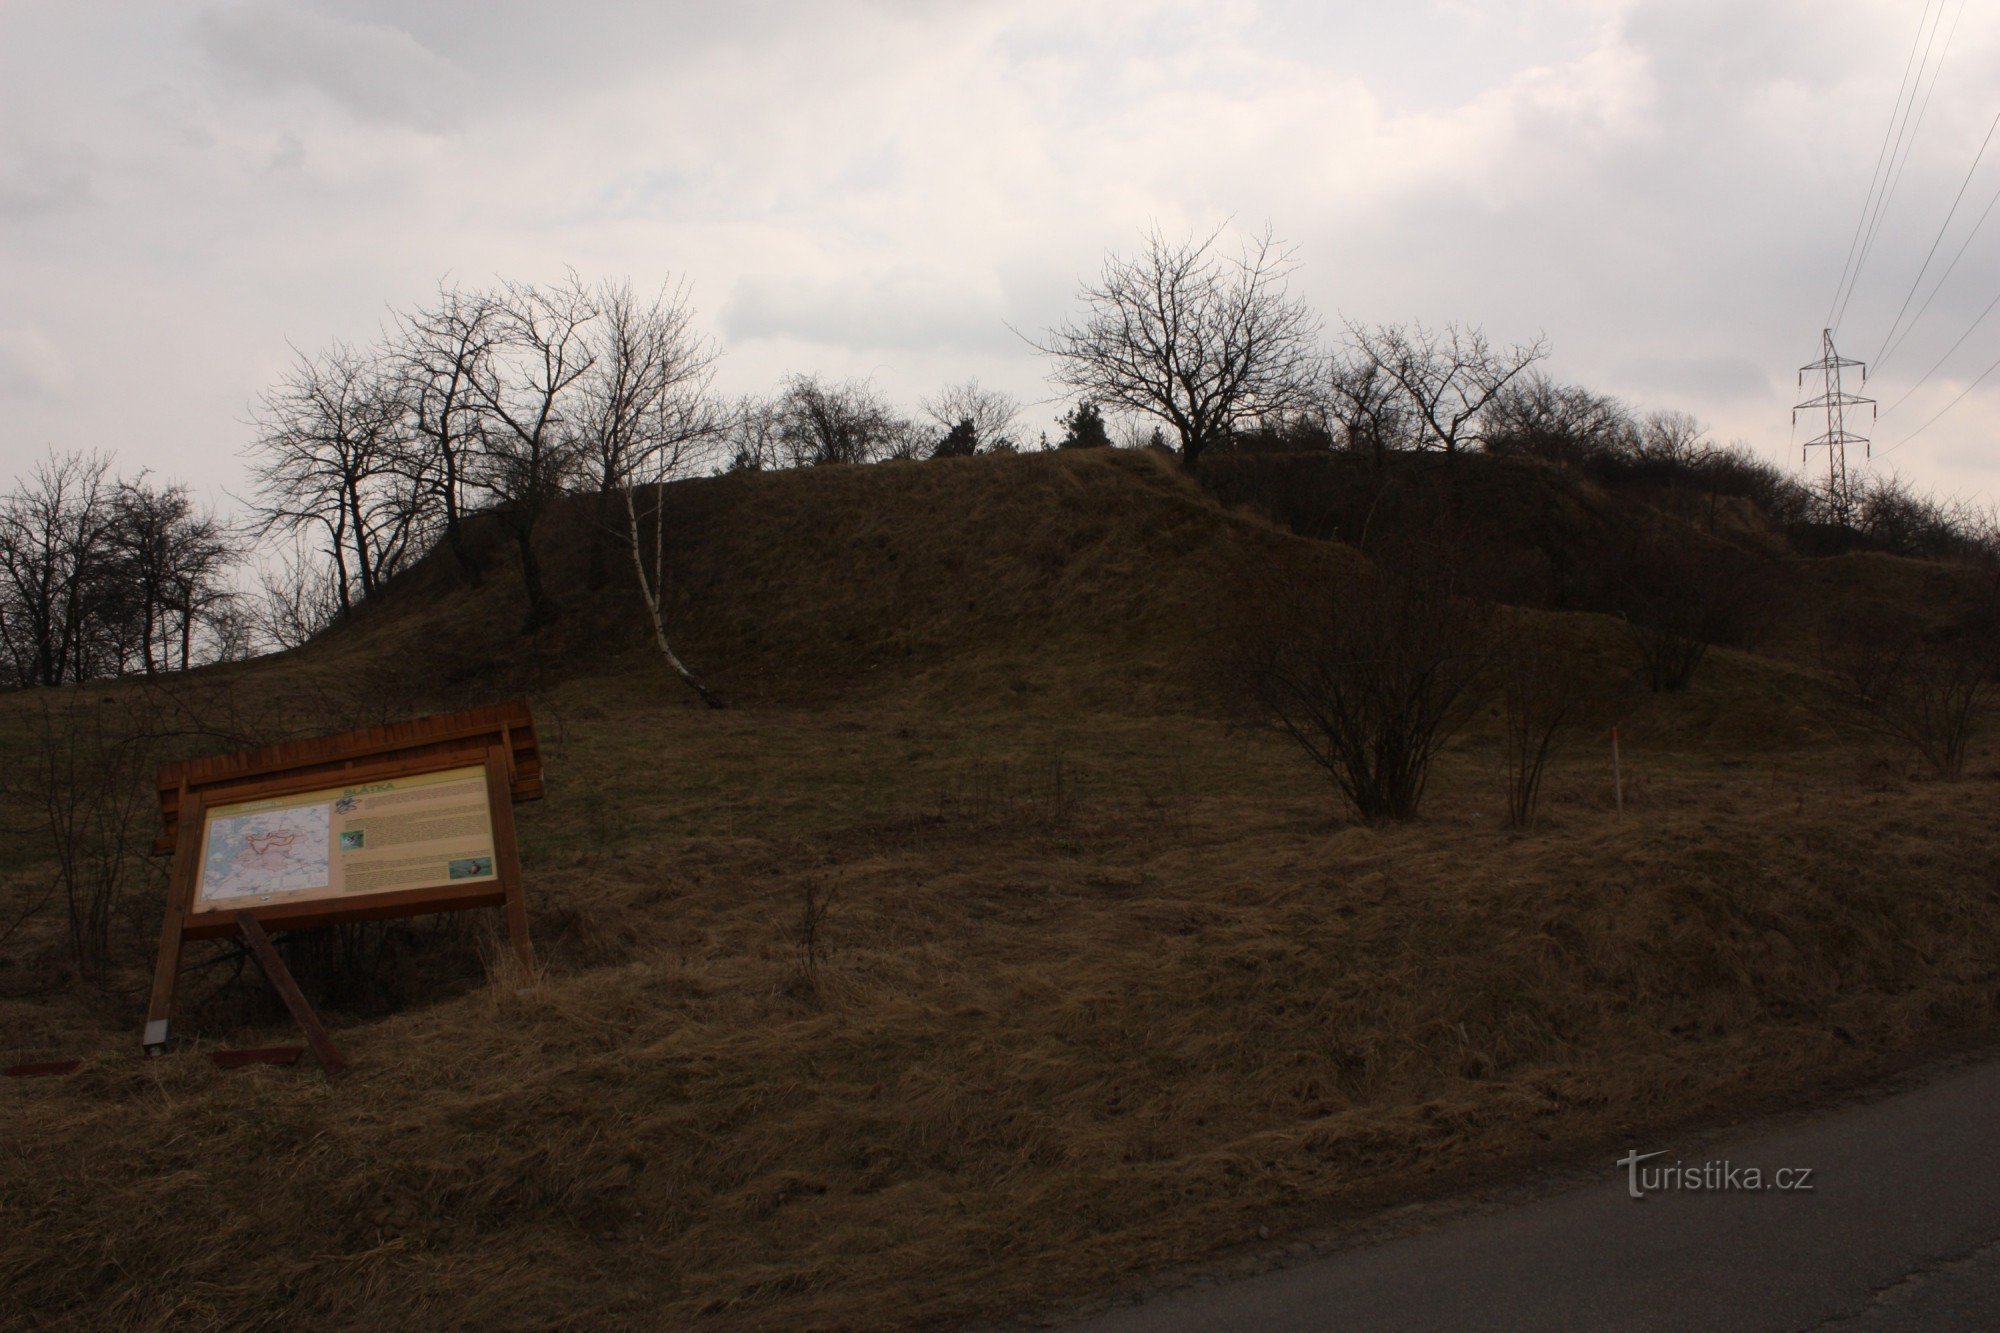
[[501, 400], [104, 576]]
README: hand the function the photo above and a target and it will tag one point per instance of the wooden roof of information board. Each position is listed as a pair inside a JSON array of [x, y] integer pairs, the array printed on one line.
[[420, 744]]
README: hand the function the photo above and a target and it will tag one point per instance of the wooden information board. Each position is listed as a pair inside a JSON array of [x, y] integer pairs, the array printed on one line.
[[396, 820]]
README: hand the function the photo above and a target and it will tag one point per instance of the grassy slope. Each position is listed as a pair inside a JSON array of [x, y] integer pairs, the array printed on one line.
[[1108, 983]]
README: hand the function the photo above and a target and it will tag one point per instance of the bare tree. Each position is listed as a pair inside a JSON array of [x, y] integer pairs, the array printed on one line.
[[1446, 378], [820, 423], [1200, 341], [1367, 405], [298, 599], [906, 441], [750, 434], [435, 354], [645, 404], [55, 553], [648, 419], [971, 419], [332, 457], [529, 389], [170, 562]]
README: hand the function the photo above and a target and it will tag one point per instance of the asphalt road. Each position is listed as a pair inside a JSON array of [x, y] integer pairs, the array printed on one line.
[[1899, 1230]]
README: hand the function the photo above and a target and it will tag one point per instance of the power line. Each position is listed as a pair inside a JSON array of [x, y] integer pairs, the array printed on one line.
[[1875, 176], [1980, 319], [1914, 127], [1943, 277], [1948, 406], [1901, 151], [1935, 242]]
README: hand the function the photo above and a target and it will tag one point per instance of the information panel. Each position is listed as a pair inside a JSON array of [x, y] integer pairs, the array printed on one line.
[[424, 831], [400, 819]]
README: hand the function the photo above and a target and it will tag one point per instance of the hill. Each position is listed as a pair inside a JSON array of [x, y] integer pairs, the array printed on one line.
[[1090, 575], [1107, 980]]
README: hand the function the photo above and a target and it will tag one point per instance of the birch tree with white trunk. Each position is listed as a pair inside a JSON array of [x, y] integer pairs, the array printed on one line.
[[650, 420]]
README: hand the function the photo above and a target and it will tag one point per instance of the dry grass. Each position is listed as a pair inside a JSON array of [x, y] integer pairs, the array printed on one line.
[[1101, 988]]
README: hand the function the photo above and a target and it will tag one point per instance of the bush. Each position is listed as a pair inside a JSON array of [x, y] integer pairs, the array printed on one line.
[[1540, 690], [1083, 428], [92, 783], [1931, 691], [1370, 672], [1680, 593], [1886, 514]]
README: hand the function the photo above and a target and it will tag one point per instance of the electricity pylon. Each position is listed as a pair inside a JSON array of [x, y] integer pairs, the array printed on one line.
[[1836, 400]]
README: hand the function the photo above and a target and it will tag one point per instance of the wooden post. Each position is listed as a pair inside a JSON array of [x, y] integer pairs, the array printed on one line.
[[288, 990], [1617, 774], [180, 895], [507, 857]]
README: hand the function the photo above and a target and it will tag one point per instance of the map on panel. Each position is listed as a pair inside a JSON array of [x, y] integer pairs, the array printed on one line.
[[393, 835], [283, 850]]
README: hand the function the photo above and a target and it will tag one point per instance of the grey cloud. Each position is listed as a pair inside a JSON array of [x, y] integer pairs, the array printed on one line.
[[374, 71], [175, 113], [1698, 378], [43, 182], [888, 183], [902, 312], [30, 365], [1710, 51]]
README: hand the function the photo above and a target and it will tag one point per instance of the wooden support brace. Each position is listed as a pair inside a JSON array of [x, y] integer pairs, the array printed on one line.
[[259, 1055], [42, 1069], [288, 990]]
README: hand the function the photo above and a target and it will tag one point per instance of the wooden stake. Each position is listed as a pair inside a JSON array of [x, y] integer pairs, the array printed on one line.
[[1617, 774], [288, 990]]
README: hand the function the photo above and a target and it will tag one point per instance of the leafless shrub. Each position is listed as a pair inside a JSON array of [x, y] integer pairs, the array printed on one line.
[[1681, 593], [91, 781], [1890, 514], [970, 419], [1541, 688], [808, 942], [818, 423], [1371, 672], [750, 434], [1566, 423], [27, 913], [1932, 692]]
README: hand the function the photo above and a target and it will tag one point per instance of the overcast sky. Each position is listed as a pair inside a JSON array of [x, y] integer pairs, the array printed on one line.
[[1666, 188]]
